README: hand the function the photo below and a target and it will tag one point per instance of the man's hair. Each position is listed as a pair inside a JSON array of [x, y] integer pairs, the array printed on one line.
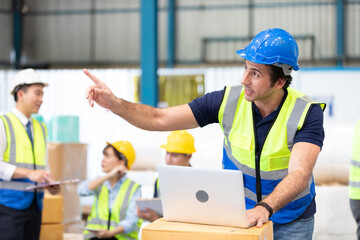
[[24, 88], [118, 154], [276, 73]]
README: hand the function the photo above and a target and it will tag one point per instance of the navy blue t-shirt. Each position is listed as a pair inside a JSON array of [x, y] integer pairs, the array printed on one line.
[[206, 110]]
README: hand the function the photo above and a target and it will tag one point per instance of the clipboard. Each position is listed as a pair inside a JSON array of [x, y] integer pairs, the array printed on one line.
[[85, 228], [153, 204], [43, 185]]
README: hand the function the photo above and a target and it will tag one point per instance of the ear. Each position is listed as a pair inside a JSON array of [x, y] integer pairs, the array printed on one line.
[[188, 156], [280, 83], [20, 94], [122, 162]]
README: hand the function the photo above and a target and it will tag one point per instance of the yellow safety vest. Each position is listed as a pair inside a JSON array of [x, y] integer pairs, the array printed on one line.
[[236, 121], [354, 178], [20, 152], [99, 217]]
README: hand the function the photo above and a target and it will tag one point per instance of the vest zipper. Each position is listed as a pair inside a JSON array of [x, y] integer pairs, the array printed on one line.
[[258, 151], [257, 158], [257, 172], [108, 225]]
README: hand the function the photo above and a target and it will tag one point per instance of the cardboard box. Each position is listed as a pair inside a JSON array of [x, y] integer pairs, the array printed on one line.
[[72, 208], [53, 209], [51, 232], [68, 161], [165, 230]]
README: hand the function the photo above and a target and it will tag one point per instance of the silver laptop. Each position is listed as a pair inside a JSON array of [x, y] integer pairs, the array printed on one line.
[[206, 196]]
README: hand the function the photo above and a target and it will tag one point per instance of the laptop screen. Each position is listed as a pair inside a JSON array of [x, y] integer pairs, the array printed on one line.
[[207, 196]]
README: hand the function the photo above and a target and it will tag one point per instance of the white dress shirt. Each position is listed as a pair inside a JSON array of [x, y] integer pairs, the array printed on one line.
[[7, 169]]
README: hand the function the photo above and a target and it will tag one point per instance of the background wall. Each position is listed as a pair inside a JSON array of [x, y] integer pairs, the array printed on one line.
[[338, 88], [6, 33], [107, 32], [66, 96]]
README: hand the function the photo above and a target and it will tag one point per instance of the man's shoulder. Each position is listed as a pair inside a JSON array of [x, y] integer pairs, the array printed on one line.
[[206, 108], [5, 116]]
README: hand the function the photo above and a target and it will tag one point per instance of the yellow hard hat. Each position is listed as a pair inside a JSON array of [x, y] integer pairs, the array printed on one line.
[[127, 149], [180, 142]]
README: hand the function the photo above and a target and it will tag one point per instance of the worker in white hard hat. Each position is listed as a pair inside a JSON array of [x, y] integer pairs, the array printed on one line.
[[113, 214], [179, 149], [23, 157]]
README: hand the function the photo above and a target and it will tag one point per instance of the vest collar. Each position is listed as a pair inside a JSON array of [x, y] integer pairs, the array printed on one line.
[[23, 119], [117, 184]]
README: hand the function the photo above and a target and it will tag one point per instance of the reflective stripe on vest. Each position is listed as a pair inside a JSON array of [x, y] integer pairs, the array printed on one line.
[[236, 121], [99, 217], [20, 153], [354, 176], [19, 146]]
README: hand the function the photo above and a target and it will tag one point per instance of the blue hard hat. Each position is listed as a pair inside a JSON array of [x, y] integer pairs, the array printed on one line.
[[274, 46]]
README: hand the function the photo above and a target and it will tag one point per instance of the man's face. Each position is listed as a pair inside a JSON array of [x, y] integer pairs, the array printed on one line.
[[257, 82], [177, 159], [31, 99]]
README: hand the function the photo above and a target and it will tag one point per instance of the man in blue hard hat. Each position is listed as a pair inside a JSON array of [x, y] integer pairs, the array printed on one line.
[[272, 133]]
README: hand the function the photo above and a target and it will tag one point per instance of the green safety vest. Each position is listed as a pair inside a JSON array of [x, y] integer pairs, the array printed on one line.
[[236, 121], [354, 178], [20, 152], [99, 217]]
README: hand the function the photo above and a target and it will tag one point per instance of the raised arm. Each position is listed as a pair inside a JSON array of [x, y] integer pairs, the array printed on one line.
[[140, 115], [302, 161]]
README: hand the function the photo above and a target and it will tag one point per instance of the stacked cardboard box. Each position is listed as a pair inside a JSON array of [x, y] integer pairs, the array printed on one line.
[[68, 161], [164, 230], [52, 217]]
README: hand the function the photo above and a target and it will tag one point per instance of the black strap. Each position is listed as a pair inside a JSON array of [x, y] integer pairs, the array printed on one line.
[[265, 205]]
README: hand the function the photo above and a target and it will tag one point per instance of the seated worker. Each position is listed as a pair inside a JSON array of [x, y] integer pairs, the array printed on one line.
[[113, 212], [179, 149]]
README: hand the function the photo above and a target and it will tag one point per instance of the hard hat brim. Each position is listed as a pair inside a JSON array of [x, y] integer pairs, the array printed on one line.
[[42, 83], [243, 54], [170, 149]]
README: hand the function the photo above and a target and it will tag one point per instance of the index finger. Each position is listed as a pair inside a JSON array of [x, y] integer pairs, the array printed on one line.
[[92, 77], [260, 222], [50, 177]]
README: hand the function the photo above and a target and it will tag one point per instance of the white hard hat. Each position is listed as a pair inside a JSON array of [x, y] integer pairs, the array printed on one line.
[[27, 76]]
